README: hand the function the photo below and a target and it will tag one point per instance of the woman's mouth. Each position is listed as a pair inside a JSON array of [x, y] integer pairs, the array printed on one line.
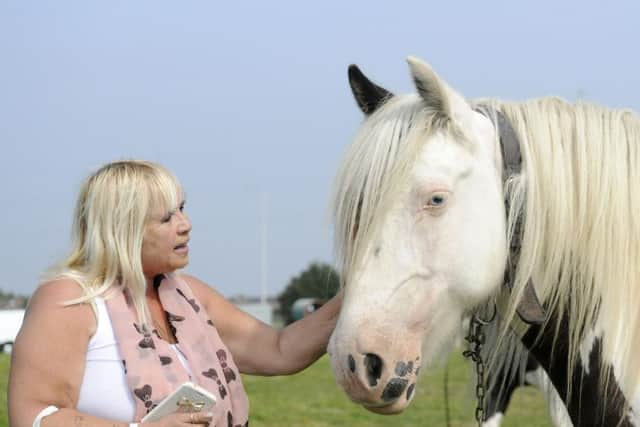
[[182, 249]]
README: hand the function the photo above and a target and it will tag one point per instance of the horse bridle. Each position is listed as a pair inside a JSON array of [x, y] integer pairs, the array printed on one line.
[[529, 308]]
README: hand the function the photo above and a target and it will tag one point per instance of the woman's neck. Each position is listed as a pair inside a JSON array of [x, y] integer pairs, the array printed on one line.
[[153, 283]]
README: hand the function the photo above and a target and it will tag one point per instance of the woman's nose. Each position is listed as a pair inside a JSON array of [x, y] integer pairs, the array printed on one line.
[[185, 224]]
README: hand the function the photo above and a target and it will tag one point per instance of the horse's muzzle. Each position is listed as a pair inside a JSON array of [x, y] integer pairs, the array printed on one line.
[[383, 386]]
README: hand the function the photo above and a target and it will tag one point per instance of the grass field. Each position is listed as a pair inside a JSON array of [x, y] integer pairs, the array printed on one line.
[[312, 399], [4, 377]]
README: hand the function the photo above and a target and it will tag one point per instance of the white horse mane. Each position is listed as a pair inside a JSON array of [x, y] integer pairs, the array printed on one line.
[[581, 241], [581, 237]]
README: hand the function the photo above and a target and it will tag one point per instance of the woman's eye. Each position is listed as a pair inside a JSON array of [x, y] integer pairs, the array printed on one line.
[[168, 216]]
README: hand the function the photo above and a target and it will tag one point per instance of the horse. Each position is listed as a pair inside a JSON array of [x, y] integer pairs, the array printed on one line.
[[445, 206]]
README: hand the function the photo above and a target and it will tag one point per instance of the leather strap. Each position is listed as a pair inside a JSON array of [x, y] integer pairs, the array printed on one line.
[[529, 307]]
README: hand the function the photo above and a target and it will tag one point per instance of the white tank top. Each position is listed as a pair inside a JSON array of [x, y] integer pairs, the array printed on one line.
[[104, 391]]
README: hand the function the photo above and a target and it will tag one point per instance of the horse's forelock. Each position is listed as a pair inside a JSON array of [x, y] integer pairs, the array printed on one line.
[[377, 164]]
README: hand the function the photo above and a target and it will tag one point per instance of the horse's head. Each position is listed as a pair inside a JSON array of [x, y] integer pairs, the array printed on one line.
[[420, 233]]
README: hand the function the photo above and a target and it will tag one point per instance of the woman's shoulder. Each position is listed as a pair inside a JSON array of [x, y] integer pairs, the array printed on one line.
[[50, 302], [204, 292], [60, 287], [193, 281], [228, 319], [55, 293]]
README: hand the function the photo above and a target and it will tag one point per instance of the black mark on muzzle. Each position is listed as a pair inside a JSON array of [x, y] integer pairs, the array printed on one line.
[[352, 363], [403, 368], [394, 389]]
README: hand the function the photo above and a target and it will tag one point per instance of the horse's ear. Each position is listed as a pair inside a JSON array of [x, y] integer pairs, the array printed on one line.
[[429, 86], [368, 95], [435, 93]]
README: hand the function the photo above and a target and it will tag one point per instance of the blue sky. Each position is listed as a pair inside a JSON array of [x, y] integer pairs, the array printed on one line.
[[241, 99]]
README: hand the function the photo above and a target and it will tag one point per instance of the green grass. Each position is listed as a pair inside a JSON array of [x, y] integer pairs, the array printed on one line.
[[4, 379], [312, 399]]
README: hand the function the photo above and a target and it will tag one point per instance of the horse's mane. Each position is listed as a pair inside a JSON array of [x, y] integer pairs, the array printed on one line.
[[576, 193], [579, 200]]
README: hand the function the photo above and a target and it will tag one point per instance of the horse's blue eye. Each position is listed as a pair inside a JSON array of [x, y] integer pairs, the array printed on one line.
[[437, 201]]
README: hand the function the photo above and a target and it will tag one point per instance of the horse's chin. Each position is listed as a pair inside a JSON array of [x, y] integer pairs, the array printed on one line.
[[392, 408]]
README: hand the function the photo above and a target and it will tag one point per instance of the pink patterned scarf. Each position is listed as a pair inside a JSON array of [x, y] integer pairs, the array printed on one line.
[[152, 366]]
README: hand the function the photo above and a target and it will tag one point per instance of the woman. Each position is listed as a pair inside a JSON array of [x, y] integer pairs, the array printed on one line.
[[115, 328]]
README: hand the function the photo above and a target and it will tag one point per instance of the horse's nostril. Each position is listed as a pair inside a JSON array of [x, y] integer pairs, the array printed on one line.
[[373, 367], [410, 391]]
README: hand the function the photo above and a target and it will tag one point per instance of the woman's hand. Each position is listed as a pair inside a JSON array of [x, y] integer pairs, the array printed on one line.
[[183, 420]]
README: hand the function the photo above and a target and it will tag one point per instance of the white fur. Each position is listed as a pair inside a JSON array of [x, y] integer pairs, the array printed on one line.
[[494, 421], [557, 410]]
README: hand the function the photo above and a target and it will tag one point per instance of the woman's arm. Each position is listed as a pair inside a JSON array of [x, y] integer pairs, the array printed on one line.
[[47, 362], [260, 349], [48, 359]]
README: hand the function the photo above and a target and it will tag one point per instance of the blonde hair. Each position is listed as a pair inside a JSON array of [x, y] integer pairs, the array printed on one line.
[[111, 213]]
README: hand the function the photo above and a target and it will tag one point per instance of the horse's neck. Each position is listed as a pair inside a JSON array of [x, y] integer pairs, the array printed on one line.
[[592, 401]]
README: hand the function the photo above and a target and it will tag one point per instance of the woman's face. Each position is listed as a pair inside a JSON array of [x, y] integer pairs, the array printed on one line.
[[165, 242]]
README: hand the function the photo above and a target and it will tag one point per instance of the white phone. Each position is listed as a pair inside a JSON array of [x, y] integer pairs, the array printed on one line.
[[189, 397]]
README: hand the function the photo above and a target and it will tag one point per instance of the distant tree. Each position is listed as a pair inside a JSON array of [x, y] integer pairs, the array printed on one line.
[[9, 300], [318, 281]]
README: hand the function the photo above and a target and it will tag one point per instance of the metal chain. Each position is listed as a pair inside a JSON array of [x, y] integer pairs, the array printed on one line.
[[476, 338]]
